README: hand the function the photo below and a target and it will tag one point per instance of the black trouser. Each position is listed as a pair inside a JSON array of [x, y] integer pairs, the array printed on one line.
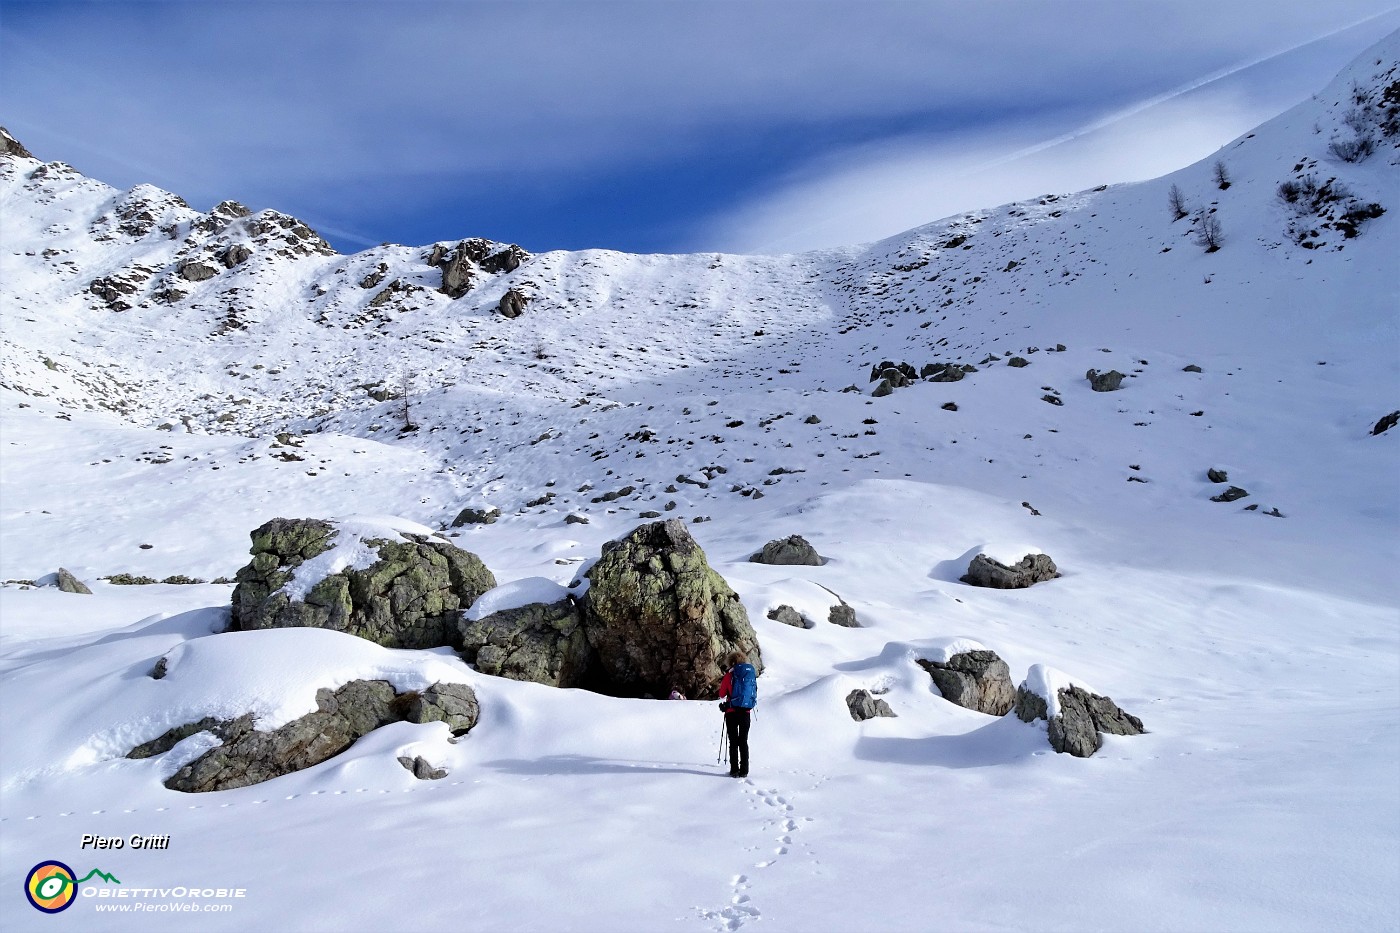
[[736, 723]]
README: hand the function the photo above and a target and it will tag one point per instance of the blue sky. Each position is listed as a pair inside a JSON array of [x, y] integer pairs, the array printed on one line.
[[652, 126]]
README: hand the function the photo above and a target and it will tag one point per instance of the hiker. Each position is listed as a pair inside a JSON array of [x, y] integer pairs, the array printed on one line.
[[738, 692]]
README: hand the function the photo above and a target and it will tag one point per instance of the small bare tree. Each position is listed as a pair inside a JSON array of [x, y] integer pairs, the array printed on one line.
[[1221, 174], [1208, 231], [406, 393], [1177, 202]]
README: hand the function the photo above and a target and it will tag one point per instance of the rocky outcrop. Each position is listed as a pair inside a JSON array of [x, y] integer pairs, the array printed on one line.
[[793, 550], [235, 255], [1230, 495], [248, 756], [196, 271], [864, 705], [407, 594], [540, 642], [11, 147], [1031, 569], [68, 583], [1386, 423], [512, 304], [507, 260], [1081, 719], [977, 680], [659, 617], [1110, 381], [1217, 476]]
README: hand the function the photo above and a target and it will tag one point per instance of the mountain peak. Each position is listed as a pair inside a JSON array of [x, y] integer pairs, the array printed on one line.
[[12, 146]]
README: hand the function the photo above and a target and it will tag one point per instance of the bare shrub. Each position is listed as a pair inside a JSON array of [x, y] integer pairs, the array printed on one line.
[[1208, 232], [1221, 174], [1177, 202]]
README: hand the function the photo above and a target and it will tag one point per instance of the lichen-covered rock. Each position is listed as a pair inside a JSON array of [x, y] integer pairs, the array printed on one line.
[[1031, 569], [248, 756], [1077, 718], [977, 680], [864, 705], [793, 550], [659, 617], [540, 642], [405, 591], [68, 583]]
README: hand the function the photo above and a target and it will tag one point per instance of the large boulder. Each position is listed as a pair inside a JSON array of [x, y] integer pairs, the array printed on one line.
[[392, 582], [540, 642], [977, 679], [1029, 570], [248, 756], [1076, 717], [658, 617], [793, 550], [1110, 381]]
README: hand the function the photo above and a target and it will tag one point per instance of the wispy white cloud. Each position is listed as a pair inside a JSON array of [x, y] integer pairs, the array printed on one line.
[[878, 191]]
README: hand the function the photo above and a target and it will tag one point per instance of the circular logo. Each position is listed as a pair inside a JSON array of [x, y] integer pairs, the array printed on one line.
[[51, 887]]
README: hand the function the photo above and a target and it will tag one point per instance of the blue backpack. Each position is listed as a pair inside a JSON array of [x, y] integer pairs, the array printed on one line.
[[743, 687]]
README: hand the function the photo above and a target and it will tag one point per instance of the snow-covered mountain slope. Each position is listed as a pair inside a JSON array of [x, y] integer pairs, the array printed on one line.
[[170, 379]]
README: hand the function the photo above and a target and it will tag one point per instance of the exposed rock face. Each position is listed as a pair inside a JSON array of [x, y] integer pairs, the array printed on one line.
[[68, 583], [863, 705], [507, 260], [788, 616], [408, 598], [512, 304], [540, 642], [1083, 717], [195, 271], [793, 550], [658, 617], [1386, 423], [1110, 381], [342, 716], [1031, 569], [11, 147], [977, 680], [457, 270], [235, 255]]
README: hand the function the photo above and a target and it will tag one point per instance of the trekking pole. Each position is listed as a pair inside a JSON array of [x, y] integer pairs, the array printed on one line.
[[723, 738]]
